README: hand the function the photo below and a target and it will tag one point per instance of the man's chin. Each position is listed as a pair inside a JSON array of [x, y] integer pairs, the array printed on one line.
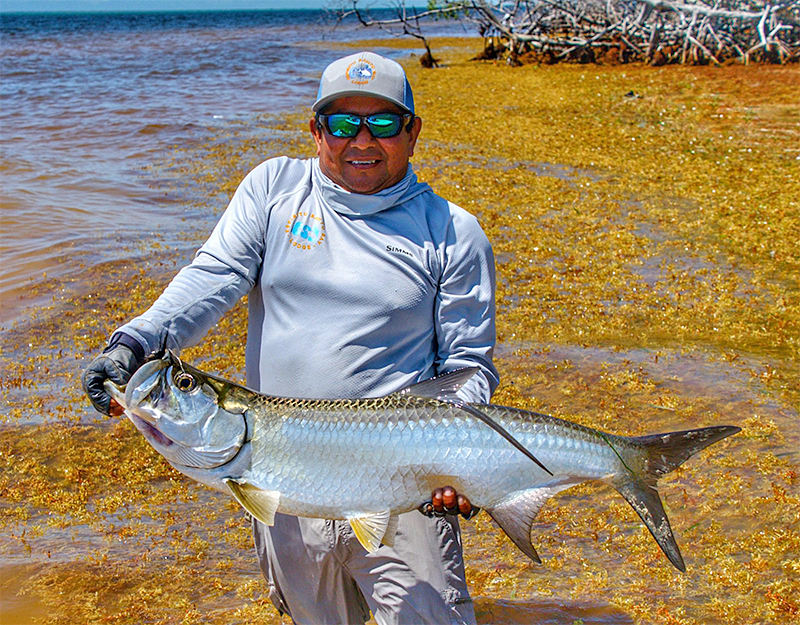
[[365, 184], [366, 180]]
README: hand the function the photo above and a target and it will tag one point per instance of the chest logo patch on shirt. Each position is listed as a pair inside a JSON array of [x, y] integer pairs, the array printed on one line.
[[305, 230]]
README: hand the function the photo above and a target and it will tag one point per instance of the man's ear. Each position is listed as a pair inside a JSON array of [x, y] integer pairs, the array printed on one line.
[[416, 128], [316, 131]]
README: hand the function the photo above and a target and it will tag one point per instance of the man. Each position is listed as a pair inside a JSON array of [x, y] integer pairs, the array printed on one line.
[[361, 281]]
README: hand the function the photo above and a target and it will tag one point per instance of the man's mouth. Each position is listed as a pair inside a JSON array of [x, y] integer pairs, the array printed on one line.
[[363, 162]]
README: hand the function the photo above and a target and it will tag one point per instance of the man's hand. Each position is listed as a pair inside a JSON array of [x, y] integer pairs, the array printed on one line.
[[447, 501], [116, 364]]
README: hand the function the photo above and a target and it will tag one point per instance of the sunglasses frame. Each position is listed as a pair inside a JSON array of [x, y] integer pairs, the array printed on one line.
[[322, 121]]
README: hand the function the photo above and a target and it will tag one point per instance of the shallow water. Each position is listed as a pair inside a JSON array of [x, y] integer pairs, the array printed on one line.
[[587, 537], [547, 611], [90, 101]]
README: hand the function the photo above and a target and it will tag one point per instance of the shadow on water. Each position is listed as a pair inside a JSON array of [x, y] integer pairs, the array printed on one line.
[[547, 611], [21, 608], [18, 608]]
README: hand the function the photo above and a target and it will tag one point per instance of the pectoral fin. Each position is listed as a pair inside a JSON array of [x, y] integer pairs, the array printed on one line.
[[374, 529], [515, 516], [262, 504]]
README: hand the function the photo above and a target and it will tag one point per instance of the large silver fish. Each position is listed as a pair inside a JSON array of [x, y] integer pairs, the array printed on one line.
[[368, 460]]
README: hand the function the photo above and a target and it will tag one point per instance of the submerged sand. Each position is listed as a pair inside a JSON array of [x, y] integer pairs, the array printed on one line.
[[645, 223]]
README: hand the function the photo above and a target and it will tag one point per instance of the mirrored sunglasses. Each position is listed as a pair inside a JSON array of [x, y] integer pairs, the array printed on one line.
[[380, 125]]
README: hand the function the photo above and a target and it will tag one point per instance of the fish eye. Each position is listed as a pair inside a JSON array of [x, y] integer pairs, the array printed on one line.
[[185, 382]]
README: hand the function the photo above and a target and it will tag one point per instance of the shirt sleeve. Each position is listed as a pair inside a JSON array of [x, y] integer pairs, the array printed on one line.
[[465, 307], [224, 269]]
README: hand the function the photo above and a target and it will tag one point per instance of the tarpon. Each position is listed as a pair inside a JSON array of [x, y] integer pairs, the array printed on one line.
[[369, 460]]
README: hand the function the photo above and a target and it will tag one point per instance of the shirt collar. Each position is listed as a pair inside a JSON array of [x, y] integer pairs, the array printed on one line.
[[349, 203]]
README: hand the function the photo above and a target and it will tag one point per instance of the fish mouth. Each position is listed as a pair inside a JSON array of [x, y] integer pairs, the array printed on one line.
[[149, 432], [140, 386], [144, 401]]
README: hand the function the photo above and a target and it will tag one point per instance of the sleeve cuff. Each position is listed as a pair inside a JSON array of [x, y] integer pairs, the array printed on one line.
[[120, 338]]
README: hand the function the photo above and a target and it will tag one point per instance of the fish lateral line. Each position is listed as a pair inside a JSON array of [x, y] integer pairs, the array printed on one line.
[[616, 453]]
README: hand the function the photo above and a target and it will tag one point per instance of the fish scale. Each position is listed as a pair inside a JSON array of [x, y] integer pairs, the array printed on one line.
[[347, 461], [369, 460]]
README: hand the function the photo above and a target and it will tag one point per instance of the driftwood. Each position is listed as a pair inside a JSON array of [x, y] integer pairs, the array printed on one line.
[[611, 31], [406, 21]]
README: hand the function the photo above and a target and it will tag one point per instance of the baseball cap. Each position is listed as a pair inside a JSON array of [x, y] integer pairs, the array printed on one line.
[[365, 73]]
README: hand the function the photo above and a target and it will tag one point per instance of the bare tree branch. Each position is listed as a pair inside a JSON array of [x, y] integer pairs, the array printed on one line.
[[655, 31]]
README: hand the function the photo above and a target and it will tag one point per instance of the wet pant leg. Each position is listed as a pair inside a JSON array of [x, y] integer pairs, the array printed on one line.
[[420, 579], [304, 572], [318, 572]]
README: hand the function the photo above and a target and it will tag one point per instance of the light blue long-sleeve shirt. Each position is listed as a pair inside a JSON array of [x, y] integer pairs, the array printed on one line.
[[350, 295]]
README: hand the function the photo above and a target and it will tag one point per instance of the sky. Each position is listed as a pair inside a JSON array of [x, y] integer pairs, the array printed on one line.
[[9, 6]]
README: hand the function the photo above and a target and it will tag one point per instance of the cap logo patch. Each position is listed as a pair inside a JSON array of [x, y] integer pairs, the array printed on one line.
[[360, 72]]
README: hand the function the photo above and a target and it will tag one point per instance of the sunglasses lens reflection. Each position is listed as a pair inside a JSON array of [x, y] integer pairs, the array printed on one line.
[[381, 125]]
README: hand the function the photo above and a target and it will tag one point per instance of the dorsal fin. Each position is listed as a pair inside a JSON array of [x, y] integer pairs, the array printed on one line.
[[442, 387], [475, 411]]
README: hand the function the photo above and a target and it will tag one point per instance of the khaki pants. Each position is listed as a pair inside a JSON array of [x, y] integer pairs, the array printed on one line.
[[319, 574]]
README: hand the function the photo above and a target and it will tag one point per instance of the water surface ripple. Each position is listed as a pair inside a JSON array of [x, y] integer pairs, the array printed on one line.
[[90, 100]]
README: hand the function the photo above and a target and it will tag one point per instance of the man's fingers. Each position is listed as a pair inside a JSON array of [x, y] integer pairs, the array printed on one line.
[[427, 509], [449, 498], [116, 364], [114, 409], [93, 385], [447, 501], [464, 506]]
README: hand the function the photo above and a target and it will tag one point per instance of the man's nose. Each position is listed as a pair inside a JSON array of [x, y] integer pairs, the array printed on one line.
[[363, 136]]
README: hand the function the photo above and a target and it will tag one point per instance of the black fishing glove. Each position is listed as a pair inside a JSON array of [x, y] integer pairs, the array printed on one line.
[[121, 357]]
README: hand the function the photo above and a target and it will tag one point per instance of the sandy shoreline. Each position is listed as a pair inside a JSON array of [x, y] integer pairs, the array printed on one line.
[[645, 225]]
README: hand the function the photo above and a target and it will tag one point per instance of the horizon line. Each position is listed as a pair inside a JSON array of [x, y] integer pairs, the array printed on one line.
[[72, 11]]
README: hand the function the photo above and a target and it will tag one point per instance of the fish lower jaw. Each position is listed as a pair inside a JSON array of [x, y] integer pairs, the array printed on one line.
[[152, 434]]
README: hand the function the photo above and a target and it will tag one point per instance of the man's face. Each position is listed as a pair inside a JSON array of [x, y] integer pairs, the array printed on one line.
[[364, 164]]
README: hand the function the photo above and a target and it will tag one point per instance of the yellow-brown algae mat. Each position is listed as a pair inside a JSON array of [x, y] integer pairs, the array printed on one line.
[[645, 223]]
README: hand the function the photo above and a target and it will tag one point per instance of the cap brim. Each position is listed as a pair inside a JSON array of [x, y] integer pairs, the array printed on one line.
[[323, 102]]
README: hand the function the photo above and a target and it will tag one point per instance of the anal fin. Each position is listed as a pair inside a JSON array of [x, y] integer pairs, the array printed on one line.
[[262, 504], [373, 529], [515, 516]]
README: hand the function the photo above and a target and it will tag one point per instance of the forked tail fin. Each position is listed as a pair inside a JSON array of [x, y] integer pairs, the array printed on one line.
[[665, 452]]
